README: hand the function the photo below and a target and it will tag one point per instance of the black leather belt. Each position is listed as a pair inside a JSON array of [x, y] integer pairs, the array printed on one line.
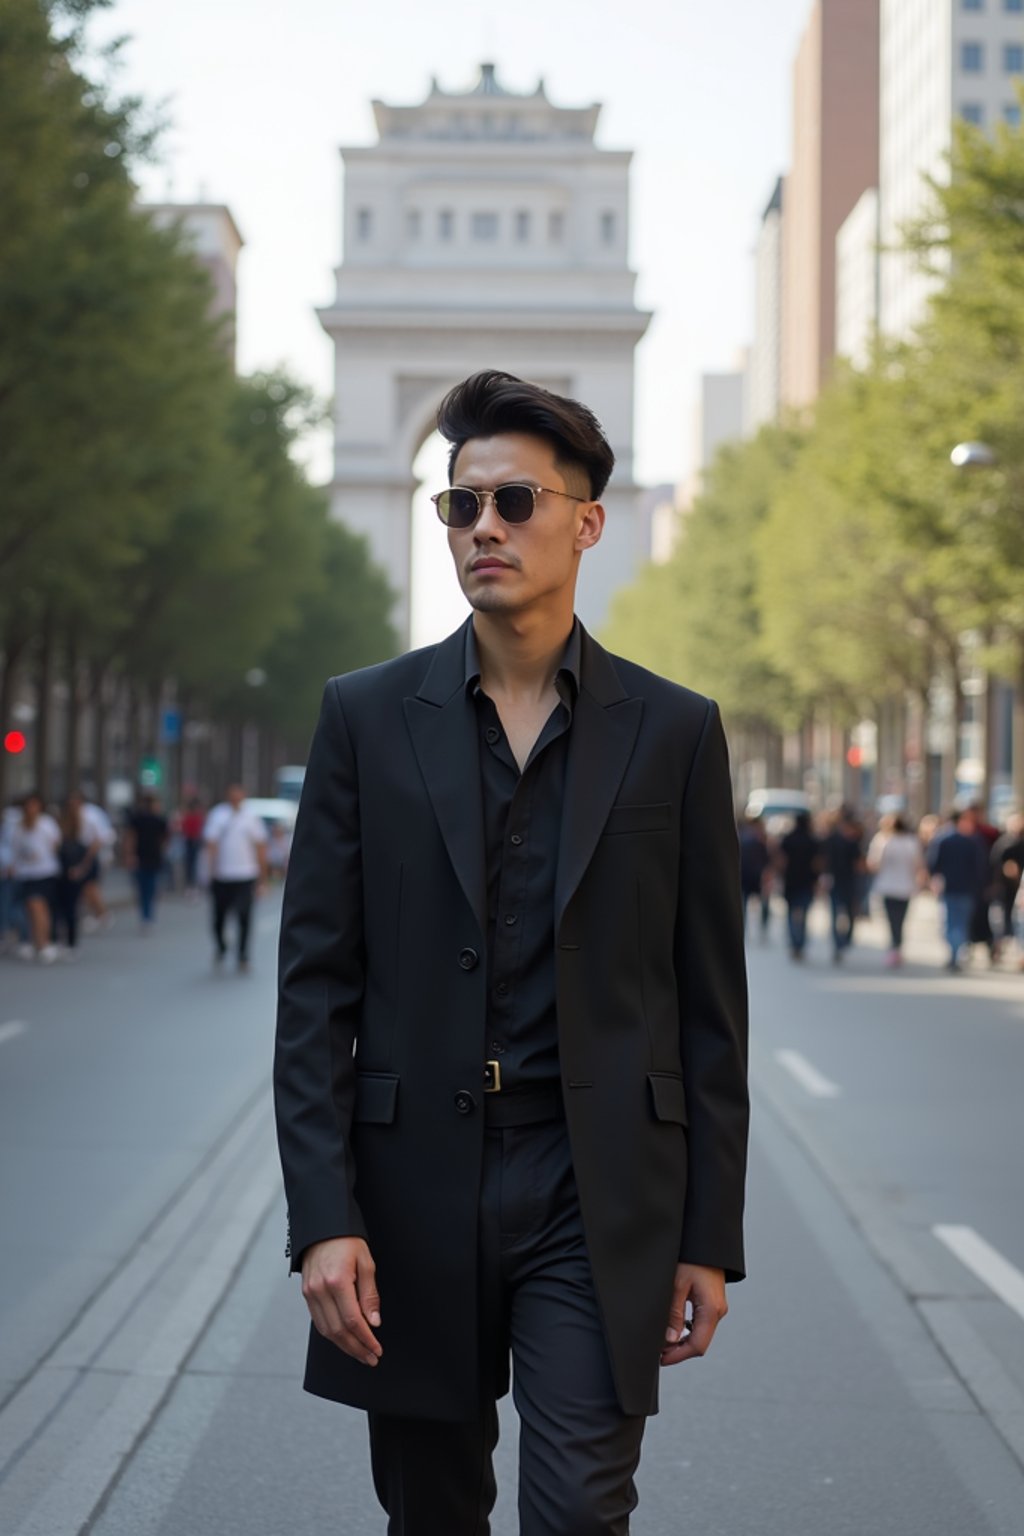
[[523, 1106]]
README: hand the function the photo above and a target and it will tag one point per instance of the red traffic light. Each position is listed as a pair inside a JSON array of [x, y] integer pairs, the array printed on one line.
[[14, 741], [855, 757]]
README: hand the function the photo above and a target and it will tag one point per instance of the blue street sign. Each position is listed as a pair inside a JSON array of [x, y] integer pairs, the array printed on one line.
[[170, 730]]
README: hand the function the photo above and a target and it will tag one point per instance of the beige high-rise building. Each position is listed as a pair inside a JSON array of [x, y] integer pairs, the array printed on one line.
[[766, 351], [835, 159]]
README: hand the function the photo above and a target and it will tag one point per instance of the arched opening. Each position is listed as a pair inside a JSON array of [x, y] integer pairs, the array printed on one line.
[[437, 604]]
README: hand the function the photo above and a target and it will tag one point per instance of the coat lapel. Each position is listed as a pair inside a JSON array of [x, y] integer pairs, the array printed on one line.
[[442, 724], [604, 730]]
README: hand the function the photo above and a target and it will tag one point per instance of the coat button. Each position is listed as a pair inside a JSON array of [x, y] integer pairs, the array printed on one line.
[[469, 959], [465, 1102]]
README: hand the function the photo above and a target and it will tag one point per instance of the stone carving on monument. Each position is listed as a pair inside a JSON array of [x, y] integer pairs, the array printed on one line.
[[484, 229]]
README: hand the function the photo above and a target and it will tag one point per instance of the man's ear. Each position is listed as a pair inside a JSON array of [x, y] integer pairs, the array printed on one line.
[[591, 525]]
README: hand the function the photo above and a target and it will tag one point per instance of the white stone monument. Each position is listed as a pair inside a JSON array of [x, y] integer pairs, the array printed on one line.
[[484, 229]]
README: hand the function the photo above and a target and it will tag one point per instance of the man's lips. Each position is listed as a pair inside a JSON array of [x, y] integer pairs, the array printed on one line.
[[490, 564]]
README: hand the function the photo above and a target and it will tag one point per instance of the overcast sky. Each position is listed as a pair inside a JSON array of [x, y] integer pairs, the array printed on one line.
[[260, 94]]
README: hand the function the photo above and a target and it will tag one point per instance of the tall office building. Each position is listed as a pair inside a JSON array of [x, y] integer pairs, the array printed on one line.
[[857, 259], [835, 159], [766, 350], [940, 59]]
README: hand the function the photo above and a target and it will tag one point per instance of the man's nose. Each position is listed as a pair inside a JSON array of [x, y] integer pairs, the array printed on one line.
[[488, 525]]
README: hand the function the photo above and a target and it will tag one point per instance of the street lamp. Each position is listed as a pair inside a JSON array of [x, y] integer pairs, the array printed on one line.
[[975, 456]]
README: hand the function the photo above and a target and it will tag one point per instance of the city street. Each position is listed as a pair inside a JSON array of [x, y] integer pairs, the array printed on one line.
[[869, 1378]]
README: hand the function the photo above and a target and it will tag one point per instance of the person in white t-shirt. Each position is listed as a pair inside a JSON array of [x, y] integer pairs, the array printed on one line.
[[35, 864], [235, 840], [896, 861]]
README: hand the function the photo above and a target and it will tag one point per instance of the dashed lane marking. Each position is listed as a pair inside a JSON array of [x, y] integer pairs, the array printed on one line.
[[1002, 1277], [807, 1075], [12, 1030]]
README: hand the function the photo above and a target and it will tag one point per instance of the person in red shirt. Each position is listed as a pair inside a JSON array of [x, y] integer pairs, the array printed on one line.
[[193, 819]]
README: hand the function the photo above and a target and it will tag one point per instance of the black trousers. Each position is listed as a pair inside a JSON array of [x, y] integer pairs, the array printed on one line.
[[232, 896], [577, 1450], [896, 912]]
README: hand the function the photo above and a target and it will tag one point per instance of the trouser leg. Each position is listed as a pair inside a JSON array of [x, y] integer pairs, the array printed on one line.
[[578, 1451], [220, 894], [243, 907], [896, 912], [433, 1477]]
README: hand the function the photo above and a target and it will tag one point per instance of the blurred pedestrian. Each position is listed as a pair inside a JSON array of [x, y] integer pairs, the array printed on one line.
[[755, 870], [1007, 863], [958, 863], [13, 924], [145, 847], [799, 859], [896, 861], [76, 854], [235, 839], [35, 861], [279, 846], [843, 860], [986, 835], [193, 819], [98, 830]]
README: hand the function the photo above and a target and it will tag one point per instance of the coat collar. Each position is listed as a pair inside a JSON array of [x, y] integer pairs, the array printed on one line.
[[442, 723]]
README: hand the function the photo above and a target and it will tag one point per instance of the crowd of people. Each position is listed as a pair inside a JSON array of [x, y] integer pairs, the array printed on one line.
[[973, 867], [53, 860]]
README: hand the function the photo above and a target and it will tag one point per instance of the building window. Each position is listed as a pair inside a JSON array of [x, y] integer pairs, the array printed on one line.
[[523, 225], [973, 112], [1013, 5], [364, 223], [1013, 58], [1011, 114], [414, 223], [608, 228], [445, 224], [485, 226], [556, 224], [972, 58]]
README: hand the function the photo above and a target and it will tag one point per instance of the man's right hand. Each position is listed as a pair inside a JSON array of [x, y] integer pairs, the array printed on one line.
[[340, 1286]]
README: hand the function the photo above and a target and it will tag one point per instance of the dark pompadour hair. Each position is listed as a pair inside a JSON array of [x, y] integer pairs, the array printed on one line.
[[492, 402]]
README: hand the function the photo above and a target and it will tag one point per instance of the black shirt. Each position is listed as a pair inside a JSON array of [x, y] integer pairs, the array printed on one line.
[[801, 850], [150, 830], [522, 823]]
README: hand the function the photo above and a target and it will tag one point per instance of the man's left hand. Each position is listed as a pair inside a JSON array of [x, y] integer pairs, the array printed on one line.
[[704, 1289]]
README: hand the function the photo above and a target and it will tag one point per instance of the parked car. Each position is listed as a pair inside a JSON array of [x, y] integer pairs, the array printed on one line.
[[777, 808]]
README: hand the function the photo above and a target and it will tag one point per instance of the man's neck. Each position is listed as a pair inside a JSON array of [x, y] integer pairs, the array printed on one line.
[[520, 654]]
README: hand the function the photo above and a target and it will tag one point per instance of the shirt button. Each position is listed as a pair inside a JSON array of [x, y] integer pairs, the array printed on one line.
[[497, 1048], [516, 840], [465, 1102], [492, 733], [468, 959], [502, 989], [510, 919]]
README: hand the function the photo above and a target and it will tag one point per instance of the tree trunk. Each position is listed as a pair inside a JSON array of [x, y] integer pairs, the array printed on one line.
[[8, 678], [100, 767], [72, 716], [43, 686]]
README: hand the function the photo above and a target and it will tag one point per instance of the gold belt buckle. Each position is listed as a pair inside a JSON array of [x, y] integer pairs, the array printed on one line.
[[492, 1077]]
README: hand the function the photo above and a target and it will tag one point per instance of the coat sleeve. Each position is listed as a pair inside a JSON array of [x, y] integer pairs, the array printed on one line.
[[711, 974], [320, 992]]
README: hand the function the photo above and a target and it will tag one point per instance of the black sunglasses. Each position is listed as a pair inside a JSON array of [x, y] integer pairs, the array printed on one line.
[[460, 507]]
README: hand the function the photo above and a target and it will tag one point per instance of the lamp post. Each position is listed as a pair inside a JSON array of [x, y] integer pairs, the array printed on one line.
[[969, 456]]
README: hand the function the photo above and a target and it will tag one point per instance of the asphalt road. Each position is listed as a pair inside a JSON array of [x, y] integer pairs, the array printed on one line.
[[869, 1378]]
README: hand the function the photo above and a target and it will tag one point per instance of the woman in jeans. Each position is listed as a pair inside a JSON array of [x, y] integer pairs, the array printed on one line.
[[76, 854], [895, 860]]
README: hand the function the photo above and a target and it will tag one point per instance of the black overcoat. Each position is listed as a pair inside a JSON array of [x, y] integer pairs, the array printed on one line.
[[381, 1025]]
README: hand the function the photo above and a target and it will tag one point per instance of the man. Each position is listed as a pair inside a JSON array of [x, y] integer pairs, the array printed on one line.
[[958, 862], [844, 864], [756, 870], [236, 847], [512, 976], [799, 858], [145, 850], [1007, 867]]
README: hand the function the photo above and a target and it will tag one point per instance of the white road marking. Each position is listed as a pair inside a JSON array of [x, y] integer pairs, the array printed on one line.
[[12, 1030], [807, 1075], [1002, 1277]]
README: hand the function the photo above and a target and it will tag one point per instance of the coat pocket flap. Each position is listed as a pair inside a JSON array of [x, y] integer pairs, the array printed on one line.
[[376, 1098], [668, 1096], [638, 818]]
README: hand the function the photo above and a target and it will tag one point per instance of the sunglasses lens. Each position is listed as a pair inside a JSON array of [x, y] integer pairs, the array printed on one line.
[[457, 508], [514, 503]]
